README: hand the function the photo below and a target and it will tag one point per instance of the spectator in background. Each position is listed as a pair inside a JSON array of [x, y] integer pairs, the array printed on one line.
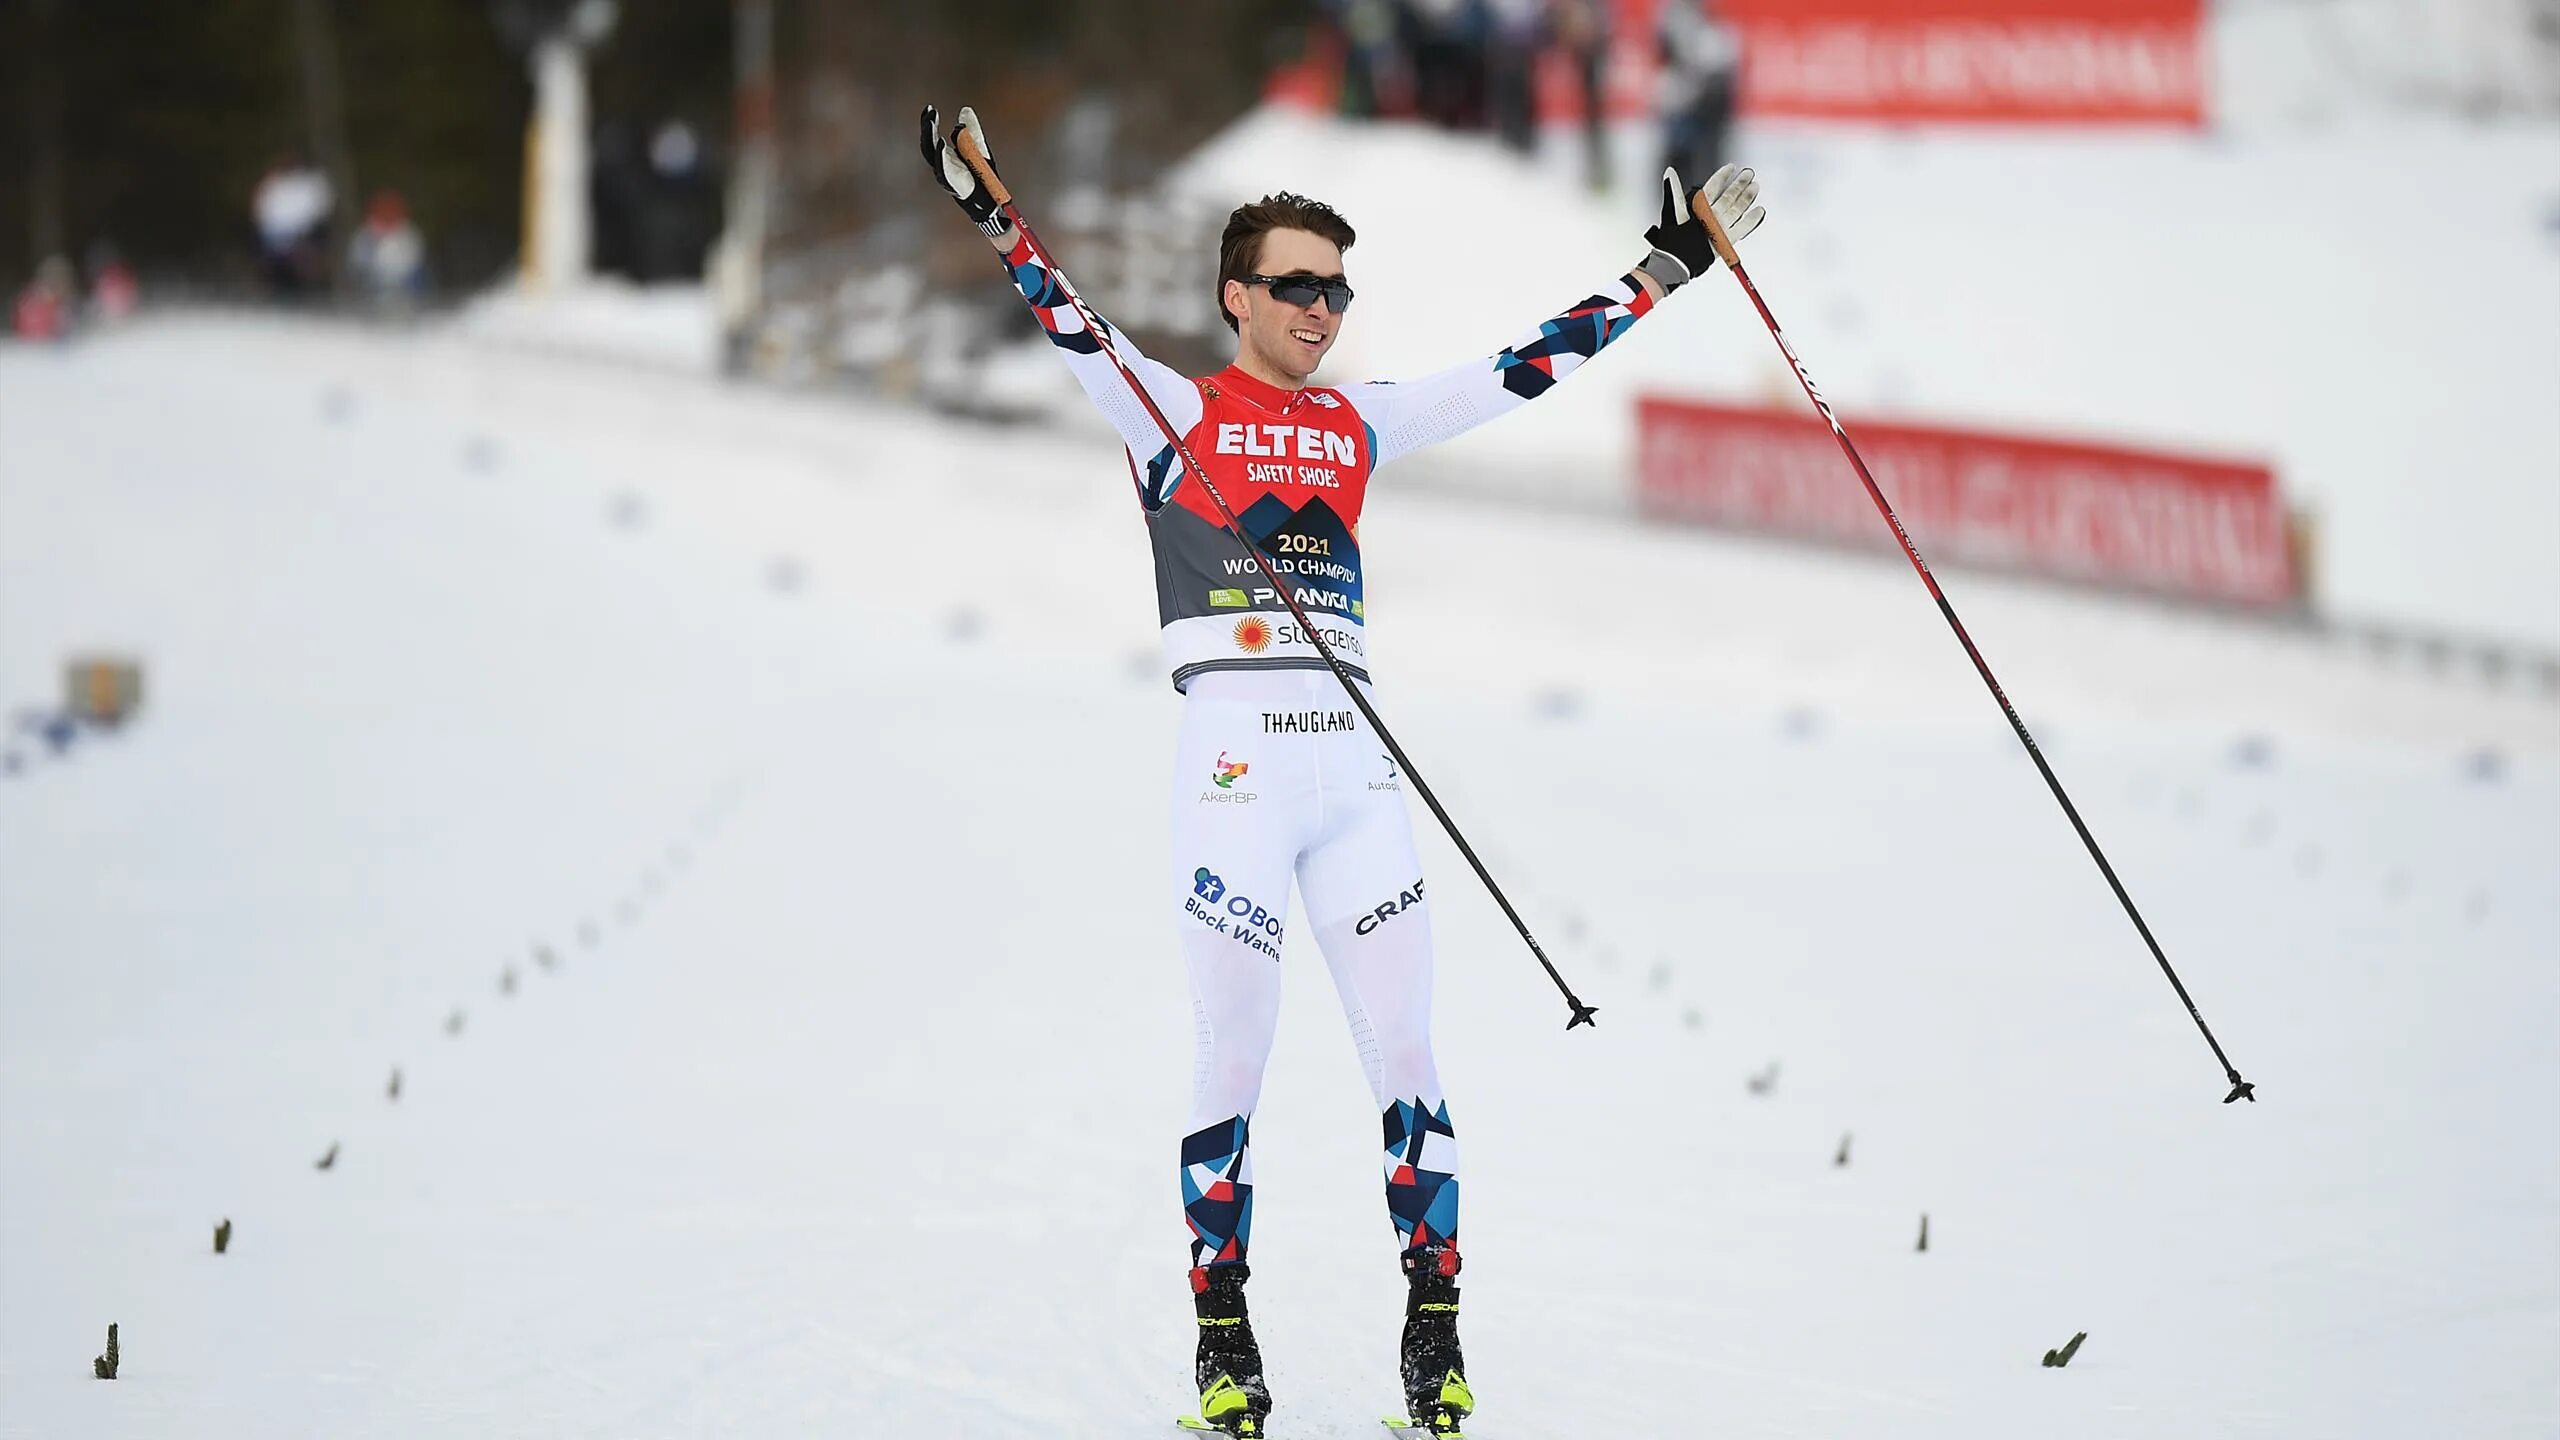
[[680, 206], [656, 202], [1375, 79], [291, 208], [46, 307], [1445, 39], [1581, 30], [114, 293], [1701, 58], [1513, 33], [388, 257]]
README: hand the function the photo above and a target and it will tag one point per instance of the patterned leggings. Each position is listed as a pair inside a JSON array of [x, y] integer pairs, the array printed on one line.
[[1278, 775]]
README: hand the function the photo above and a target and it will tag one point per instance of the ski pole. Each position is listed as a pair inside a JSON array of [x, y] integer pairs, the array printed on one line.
[[976, 160], [2240, 1089]]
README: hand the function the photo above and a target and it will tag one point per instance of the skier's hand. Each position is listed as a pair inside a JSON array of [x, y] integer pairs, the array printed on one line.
[[942, 156], [1682, 248]]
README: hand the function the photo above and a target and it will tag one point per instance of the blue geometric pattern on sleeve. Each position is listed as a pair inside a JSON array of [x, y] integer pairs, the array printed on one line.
[[1164, 475], [1051, 302], [1530, 370], [1422, 1173], [1217, 1191]]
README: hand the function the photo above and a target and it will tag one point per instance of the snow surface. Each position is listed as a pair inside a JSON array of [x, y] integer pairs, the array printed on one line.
[[603, 317], [858, 1117], [2372, 307]]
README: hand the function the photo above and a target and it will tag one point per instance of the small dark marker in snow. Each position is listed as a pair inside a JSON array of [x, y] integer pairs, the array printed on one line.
[[1923, 1246], [543, 957], [2485, 765], [325, 1161], [507, 981], [222, 1236], [480, 453], [1558, 703], [1802, 722], [1694, 1019], [392, 1090], [1765, 1081], [2253, 752], [104, 1366], [1659, 977], [453, 1023], [2056, 1359], [783, 575], [963, 624], [1841, 1160]]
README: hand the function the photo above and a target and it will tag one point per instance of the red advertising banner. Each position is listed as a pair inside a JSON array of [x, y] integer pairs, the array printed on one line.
[[2008, 61], [2139, 519], [2016, 62]]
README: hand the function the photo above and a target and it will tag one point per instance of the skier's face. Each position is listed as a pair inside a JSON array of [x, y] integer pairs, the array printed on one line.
[[1289, 340]]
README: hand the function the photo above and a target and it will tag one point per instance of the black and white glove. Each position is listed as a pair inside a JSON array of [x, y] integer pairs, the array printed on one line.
[[1682, 248], [942, 156]]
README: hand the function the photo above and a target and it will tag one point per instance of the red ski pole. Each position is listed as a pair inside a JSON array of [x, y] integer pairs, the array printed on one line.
[[2240, 1089]]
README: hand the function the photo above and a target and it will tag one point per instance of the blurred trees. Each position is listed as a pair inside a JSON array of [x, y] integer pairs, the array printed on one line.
[[852, 78], [147, 123]]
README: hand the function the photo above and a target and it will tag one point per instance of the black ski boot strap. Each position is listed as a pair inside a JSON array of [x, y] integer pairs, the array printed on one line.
[[1217, 1291], [1431, 1272]]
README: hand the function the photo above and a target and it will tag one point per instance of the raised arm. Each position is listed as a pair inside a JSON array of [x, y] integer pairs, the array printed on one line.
[[1054, 303], [1408, 416]]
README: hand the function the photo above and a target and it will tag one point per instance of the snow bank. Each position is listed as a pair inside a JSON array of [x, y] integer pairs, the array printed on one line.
[[667, 326]]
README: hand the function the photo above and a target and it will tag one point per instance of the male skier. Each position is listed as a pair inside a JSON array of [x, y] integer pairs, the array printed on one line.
[[1275, 771]]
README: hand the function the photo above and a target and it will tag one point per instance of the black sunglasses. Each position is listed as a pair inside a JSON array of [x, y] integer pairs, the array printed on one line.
[[1302, 289]]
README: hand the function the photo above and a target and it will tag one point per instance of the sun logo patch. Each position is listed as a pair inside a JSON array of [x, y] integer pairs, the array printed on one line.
[[1253, 635]]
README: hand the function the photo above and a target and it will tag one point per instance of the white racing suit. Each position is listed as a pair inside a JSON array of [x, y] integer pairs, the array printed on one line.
[[1277, 776]]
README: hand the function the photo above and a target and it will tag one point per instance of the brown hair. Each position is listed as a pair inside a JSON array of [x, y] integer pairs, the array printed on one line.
[[1240, 248]]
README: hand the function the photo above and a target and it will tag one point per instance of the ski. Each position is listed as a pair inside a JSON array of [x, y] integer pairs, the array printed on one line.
[[1401, 1425], [1195, 1423]]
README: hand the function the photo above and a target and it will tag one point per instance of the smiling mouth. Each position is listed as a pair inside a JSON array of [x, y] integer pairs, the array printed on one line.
[[1306, 337]]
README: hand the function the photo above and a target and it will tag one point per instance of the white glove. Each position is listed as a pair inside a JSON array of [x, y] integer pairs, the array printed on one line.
[[942, 156], [1682, 248]]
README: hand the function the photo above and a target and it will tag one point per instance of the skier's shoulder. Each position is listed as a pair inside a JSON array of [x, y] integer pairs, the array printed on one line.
[[1379, 403]]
